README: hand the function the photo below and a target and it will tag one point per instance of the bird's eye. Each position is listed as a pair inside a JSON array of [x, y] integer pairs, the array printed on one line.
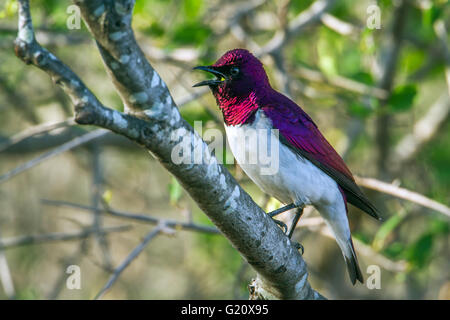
[[234, 71]]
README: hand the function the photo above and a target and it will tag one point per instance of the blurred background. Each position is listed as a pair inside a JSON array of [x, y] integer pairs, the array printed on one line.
[[374, 75]]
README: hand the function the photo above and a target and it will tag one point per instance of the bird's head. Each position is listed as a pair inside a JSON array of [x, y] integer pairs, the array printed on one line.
[[238, 74]]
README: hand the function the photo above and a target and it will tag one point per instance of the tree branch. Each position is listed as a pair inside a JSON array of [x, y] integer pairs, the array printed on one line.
[[52, 153], [386, 80], [402, 193], [306, 18], [132, 256], [8, 243], [423, 131], [33, 131], [137, 217], [151, 120]]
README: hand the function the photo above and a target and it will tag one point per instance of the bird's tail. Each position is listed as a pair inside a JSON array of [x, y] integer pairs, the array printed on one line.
[[352, 262], [336, 218]]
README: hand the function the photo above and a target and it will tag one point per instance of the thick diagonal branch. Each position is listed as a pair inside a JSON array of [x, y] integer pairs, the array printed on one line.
[[155, 123]]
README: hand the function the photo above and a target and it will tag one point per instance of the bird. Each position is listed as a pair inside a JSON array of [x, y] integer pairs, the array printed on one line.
[[309, 172]]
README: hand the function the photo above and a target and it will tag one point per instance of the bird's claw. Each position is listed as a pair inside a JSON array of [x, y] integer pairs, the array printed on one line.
[[282, 225], [299, 247]]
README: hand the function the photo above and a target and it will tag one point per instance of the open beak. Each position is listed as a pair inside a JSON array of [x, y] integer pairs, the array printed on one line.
[[220, 77]]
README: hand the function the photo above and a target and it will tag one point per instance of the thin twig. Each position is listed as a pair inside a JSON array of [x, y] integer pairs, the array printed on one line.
[[402, 193], [52, 153], [423, 131], [342, 27], [133, 255], [8, 243], [387, 69], [97, 182], [74, 258], [33, 131], [138, 217], [304, 19], [342, 82]]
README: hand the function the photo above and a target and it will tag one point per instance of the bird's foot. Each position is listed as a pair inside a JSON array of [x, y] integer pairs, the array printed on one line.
[[282, 225], [299, 247]]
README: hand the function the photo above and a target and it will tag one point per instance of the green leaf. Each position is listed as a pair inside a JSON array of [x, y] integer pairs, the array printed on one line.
[[439, 227], [394, 250], [155, 30], [402, 97], [192, 8], [385, 230], [107, 196], [359, 110], [9, 9], [28, 293], [295, 7], [175, 191], [328, 49], [363, 77], [193, 33], [420, 252], [413, 60]]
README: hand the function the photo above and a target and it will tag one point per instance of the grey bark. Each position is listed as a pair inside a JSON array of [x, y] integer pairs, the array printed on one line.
[[151, 118]]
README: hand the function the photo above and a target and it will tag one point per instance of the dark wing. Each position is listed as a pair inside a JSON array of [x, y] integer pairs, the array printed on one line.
[[300, 134]]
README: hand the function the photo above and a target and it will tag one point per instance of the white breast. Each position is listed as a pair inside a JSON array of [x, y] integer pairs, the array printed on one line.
[[293, 179], [277, 170]]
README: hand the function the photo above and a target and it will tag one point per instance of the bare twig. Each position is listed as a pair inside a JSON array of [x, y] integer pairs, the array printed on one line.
[[389, 59], [52, 153], [46, 141], [33, 131], [133, 255], [177, 225], [74, 258], [97, 182], [8, 243], [342, 27], [342, 82], [402, 193], [423, 131], [306, 18], [53, 38]]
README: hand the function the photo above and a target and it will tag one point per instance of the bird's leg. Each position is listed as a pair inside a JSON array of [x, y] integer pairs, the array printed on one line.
[[277, 212], [281, 210], [298, 214]]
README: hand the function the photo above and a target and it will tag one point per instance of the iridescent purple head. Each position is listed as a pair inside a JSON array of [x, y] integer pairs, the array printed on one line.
[[238, 74]]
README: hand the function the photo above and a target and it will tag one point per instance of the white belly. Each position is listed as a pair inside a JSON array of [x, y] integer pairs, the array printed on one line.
[[295, 180], [286, 175]]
